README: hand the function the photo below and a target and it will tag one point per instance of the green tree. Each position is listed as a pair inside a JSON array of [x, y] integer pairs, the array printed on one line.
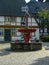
[[44, 19]]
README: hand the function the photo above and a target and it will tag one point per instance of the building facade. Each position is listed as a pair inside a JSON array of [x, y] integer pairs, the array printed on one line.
[[9, 28], [11, 18]]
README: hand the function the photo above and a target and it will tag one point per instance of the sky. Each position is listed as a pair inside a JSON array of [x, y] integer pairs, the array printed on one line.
[[27, 1], [36, 0]]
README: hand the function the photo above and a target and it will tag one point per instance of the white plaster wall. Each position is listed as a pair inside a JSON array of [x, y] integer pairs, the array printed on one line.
[[33, 20], [29, 19], [33, 38], [1, 20], [1, 38], [18, 19], [34, 23], [16, 38], [12, 23], [37, 34], [36, 37]]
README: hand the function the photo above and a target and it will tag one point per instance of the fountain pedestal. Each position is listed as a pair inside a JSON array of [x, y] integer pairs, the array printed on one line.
[[26, 37]]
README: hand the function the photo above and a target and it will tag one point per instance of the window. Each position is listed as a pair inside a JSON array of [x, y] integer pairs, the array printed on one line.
[[18, 24], [18, 33], [34, 23], [7, 20], [25, 9], [1, 32], [41, 30], [22, 35], [14, 31], [32, 35], [2, 20], [29, 22], [23, 22], [13, 20], [18, 21], [45, 29], [33, 20]]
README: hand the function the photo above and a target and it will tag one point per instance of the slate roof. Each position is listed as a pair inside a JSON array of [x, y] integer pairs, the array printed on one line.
[[40, 0], [11, 7], [34, 7]]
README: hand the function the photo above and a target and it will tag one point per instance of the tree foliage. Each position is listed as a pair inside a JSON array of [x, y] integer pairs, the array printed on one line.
[[44, 18], [43, 14]]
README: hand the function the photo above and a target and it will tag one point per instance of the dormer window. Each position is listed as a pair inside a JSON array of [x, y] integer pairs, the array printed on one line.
[[24, 9], [13, 20]]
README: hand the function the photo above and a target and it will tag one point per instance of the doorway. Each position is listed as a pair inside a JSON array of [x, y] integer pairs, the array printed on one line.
[[7, 36]]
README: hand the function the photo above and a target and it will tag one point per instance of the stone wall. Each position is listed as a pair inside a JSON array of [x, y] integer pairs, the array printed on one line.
[[26, 46]]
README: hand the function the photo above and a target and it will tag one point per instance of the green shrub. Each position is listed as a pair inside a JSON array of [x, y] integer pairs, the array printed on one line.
[[45, 38]]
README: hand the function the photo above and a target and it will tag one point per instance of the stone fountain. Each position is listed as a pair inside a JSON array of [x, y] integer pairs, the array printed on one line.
[[26, 45]]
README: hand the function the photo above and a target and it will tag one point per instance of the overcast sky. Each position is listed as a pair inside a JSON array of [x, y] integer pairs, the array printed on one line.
[[27, 1]]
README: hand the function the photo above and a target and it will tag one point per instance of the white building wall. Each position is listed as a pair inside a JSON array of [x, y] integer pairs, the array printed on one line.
[[1, 34], [37, 34], [1, 20], [19, 19], [1, 38], [16, 38]]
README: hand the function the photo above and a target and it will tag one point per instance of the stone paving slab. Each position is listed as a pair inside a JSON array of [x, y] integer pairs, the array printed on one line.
[[7, 57]]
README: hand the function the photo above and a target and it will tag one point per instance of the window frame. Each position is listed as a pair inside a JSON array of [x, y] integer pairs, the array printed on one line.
[[7, 22]]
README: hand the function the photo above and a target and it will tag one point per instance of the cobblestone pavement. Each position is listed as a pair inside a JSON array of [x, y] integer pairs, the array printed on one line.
[[40, 57]]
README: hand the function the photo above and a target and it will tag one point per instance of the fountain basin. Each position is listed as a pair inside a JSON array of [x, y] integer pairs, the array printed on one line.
[[26, 46], [26, 30], [26, 33]]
